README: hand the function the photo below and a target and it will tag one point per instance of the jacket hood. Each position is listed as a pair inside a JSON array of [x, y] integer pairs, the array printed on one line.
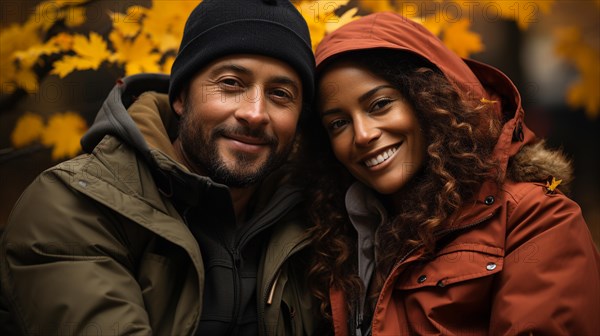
[[137, 112], [113, 117], [473, 79]]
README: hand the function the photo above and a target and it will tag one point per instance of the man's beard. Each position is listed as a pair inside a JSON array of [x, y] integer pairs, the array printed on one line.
[[200, 147]]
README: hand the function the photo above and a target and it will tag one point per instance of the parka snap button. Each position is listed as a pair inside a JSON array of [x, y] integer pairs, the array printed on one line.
[[441, 284], [490, 266], [489, 200], [422, 278]]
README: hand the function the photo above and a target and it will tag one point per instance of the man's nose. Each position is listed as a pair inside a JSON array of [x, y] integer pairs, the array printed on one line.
[[252, 110]]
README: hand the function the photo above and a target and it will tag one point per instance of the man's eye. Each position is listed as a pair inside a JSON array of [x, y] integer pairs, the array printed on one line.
[[230, 82], [282, 94]]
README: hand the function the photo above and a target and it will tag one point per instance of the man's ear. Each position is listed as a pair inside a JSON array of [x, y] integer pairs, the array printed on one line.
[[178, 104]]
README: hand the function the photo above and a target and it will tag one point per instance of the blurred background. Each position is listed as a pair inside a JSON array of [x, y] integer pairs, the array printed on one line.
[[59, 59]]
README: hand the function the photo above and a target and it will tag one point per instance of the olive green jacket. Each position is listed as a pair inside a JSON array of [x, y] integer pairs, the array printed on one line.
[[94, 245]]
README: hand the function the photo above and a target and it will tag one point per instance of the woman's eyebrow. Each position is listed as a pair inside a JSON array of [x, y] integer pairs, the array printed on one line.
[[365, 96], [371, 92], [330, 111]]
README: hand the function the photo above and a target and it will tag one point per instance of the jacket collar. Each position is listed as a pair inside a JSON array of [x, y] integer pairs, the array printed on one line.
[[366, 212]]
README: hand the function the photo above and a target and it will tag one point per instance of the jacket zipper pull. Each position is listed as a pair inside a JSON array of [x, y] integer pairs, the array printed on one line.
[[358, 322], [236, 258], [272, 291]]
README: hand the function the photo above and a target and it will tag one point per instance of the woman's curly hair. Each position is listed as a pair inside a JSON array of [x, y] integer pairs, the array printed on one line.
[[460, 135]]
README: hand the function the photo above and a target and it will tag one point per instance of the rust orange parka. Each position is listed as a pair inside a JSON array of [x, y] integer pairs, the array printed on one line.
[[519, 260]]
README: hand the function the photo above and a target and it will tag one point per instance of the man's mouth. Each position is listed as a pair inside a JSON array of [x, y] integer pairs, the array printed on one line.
[[254, 141]]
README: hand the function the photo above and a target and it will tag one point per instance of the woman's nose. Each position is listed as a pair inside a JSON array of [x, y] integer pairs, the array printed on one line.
[[365, 132]]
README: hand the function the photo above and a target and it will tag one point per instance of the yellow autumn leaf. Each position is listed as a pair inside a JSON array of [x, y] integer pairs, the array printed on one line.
[[573, 48], [318, 15], [376, 5], [27, 79], [93, 49], [589, 67], [316, 28], [432, 23], [137, 54], [74, 17], [32, 55], [168, 64], [347, 17], [164, 23], [551, 186], [28, 129], [127, 24], [16, 39], [63, 133], [523, 13], [68, 64], [9, 85], [89, 54], [63, 41], [458, 38], [44, 15], [62, 3], [317, 32], [412, 10]]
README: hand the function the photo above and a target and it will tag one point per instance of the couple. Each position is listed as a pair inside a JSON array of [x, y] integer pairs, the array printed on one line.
[[412, 198]]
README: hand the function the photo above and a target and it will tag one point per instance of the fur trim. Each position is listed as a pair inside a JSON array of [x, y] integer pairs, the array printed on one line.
[[538, 163]]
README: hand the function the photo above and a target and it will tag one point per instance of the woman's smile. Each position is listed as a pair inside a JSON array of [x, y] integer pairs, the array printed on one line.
[[377, 159], [374, 132]]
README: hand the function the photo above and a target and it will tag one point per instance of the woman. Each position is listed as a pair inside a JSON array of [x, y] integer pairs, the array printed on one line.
[[451, 222]]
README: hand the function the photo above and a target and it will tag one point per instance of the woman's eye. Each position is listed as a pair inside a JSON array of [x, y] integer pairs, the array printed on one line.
[[337, 124], [380, 104]]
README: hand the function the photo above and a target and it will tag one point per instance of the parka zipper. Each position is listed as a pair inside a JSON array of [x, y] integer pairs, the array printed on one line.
[[267, 216], [235, 255], [276, 211]]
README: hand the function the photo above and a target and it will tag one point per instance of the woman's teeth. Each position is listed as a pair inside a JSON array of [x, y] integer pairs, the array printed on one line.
[[379, 159]]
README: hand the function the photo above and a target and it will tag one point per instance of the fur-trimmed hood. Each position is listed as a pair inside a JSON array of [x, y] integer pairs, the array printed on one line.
[[521, 156], [538, 163]]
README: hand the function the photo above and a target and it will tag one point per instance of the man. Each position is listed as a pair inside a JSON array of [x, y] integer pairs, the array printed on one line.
[[177, 222]]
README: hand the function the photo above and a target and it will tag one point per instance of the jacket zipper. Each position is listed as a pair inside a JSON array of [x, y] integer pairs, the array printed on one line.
[[235, 254], [276, 211], [282, 206]]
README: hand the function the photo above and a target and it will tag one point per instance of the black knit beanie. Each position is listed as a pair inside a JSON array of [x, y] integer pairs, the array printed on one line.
[[218, 28]]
